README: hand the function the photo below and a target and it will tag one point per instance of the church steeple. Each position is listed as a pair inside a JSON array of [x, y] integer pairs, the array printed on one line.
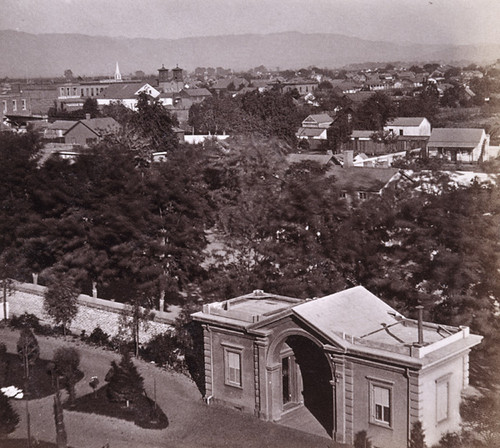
[[118, 76]]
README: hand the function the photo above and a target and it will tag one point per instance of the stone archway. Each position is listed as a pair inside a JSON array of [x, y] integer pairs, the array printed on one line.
[[302, 378]]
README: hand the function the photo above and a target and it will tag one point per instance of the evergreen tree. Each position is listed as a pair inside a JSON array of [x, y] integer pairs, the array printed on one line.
[[124, 381], [8, 417]]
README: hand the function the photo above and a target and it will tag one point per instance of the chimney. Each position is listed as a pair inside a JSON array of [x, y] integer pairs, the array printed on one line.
[[87, 116], [348, 159], [420, 309]]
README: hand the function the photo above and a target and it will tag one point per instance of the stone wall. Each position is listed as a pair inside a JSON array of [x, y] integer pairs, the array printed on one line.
[[92, 312]]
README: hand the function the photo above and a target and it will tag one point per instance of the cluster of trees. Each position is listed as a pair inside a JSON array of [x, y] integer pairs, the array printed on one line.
[[270, 113], [138, 229]]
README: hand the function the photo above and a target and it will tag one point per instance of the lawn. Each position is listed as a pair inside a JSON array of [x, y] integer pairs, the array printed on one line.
[[22, 443], [40, 380], [142, 411], [191, 423]]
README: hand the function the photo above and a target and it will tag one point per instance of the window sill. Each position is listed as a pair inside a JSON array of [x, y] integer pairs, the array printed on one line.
[[381, 424]]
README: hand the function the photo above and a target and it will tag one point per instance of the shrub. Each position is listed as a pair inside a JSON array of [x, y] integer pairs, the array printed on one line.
[[8, 417], [162, 349], [99, 337], [26, 320], [417, 437]]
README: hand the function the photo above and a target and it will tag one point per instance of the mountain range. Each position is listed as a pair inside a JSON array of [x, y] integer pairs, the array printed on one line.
[[32, 55]]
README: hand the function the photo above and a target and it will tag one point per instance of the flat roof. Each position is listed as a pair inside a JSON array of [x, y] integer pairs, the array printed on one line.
[[250, 308]]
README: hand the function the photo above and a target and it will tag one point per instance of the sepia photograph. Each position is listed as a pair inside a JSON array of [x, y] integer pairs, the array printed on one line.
[[249, 224]]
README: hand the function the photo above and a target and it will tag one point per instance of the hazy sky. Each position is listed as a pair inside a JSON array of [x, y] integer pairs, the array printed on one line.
[[422, 21]]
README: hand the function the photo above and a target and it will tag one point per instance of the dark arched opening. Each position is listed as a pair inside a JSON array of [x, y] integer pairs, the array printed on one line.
[[306, 379]]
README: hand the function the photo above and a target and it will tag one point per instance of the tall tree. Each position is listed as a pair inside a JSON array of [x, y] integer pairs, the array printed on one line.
[[28, 351], [66, 362], [374, 112], [60, 301]]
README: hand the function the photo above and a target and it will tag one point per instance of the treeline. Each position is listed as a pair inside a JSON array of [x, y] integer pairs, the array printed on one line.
[[141, 230]]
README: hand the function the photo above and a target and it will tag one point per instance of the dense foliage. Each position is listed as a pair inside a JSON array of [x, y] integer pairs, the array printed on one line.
[[222, 219], [270, 113]]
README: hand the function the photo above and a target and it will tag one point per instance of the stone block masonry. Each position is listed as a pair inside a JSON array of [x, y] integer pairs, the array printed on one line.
[[92, 312]]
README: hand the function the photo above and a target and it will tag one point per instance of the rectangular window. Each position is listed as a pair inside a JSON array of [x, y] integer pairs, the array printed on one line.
[[401, 132], [362, 195], [14, 105], [381, 402], [232, 366], [442, 399], [4, 104], [23, 104]]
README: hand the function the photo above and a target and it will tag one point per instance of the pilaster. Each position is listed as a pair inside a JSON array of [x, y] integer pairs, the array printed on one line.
[[259, 357], [207, 354], [339, 397]]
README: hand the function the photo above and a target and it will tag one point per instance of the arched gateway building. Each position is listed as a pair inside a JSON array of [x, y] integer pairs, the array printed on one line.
[[346, 363]]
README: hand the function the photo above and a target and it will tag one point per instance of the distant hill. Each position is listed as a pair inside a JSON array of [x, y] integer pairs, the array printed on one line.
[[24, 54]]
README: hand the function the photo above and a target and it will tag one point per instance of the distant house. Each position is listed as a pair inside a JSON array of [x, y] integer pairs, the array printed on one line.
[[360, 183], [314, 129], [360, 140], [317, 121], [459, 144], [336, 365], [89, 131], [55, 131], [302, 86], [127, 93], [22, 103], [187, 97], [232, 83], [346, 86], [409, 126]]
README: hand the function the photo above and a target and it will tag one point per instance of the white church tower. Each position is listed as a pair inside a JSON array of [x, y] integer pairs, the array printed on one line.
[[118, 76]]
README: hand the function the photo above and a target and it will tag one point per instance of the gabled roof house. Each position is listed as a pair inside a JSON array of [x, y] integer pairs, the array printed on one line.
[[128, 94], [89, 131], [336, 365], [459, 144], [409, 126], [314, 127]]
